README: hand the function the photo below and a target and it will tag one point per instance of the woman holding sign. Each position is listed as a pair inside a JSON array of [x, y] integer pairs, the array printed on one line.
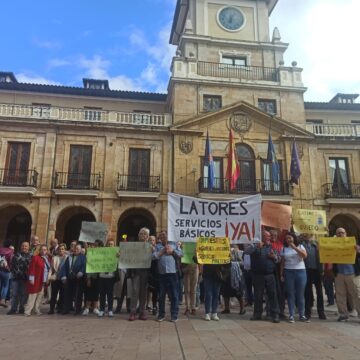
[[293, 272]]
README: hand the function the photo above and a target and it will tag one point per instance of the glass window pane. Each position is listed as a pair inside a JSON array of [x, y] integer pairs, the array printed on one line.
[[243, 152]]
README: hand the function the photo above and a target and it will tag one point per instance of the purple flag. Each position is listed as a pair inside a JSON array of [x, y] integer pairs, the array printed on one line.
[[295, 170]]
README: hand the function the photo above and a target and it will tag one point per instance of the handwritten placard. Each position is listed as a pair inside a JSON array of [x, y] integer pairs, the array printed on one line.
[[276, 215], [102, 259], [135, 255], [92, 231], [213, 250], [337, 250], [307, 221]]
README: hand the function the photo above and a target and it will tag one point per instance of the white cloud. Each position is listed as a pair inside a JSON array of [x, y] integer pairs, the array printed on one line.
[[54, 63], [95, 67], [46, 44], [34, 79]]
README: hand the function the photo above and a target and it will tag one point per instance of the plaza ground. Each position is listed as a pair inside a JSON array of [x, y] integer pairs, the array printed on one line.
[[234, 337]]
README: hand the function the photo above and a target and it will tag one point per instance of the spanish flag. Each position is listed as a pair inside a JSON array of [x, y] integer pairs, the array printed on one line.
[[233, 168]]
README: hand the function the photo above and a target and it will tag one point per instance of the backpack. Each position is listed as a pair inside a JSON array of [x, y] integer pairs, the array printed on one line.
[[3, 263]]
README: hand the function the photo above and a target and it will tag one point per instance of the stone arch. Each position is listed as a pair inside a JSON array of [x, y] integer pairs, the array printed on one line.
[[348, 221], [132, 220], [68, 224]]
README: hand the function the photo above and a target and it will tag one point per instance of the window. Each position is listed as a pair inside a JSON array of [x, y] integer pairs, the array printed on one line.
[[17, 163], [339, 176], [231, 60], [92, 113], [212, 102], [246, 159], [139, 169], [268, 186], [355, 122], [218, 174], [268, 106], [80, 166], [314, 121]]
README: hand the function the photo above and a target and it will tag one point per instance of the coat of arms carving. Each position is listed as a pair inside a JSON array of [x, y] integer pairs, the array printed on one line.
[[185, 145], [240, 122]]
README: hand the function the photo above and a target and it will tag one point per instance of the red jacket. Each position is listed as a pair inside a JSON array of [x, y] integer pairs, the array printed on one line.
[[36, 271]]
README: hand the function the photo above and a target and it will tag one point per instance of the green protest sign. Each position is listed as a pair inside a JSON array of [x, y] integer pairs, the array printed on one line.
[[101, 260], [135, 255], [188, 249]]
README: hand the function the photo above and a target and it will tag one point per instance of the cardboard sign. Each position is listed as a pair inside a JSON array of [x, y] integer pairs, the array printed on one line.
[[135, 255], [309, 221], [91, 231], [101, 259], [337, 250], [213, 251], [188, 251], [276, 215], [190, 218]]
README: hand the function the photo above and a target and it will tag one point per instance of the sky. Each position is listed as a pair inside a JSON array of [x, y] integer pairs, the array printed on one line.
[[126, 42]]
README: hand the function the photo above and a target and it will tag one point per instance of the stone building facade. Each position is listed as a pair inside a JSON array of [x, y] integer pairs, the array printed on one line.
[[83, 154]]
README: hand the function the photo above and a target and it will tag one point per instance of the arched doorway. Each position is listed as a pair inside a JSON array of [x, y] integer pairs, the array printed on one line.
[[247, 179], [348, 222], [15, 225], [68, 225], [131, 221]]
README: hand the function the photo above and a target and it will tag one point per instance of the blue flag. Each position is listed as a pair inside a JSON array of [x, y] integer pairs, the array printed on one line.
[[295, 170], [271, 157], [209, 162]]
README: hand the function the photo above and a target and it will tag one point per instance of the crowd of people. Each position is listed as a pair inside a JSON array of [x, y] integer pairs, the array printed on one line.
[[281, 269]]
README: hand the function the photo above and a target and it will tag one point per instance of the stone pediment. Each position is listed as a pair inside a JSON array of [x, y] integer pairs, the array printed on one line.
[[243, 118]]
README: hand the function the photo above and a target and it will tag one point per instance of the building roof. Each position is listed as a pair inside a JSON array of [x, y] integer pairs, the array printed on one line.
[[78, 91], [331, 106]]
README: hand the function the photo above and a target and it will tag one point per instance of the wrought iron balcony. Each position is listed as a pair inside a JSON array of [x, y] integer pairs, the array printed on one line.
[[64, 180], [245, 186], [138, 183], [343, 191], [21, 178], [220, 70]]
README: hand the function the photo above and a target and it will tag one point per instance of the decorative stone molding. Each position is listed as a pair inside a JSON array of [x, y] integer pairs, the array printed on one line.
[[185, 144]]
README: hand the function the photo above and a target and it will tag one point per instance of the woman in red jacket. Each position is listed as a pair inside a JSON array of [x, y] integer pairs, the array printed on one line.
[[38, 274]]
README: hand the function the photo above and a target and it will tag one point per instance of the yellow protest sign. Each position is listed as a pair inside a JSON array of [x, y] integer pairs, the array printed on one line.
[[213, 250], [337, 250], [309, 221]]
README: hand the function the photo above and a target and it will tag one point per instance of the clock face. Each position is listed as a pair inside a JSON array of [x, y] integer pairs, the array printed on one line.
[[231, 18]]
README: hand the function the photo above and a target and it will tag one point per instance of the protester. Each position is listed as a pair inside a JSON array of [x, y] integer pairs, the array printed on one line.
[[190, 278], [139, 283], [247, 273], [294, 274], [263, 264], [72, 276], [6, 254], [34, 245], [167, 253], [19, 270], [57, 287], [106, 286], [328, 282], [347, 282], [154, 280], [38, 274], [54, 247], [313, 276]]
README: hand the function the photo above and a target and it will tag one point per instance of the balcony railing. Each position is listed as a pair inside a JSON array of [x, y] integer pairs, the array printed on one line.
[[14, 177], [138, 183], [343, 191], [340, 130], [64, 180], [237, 72], [244, 186], [85, 115]]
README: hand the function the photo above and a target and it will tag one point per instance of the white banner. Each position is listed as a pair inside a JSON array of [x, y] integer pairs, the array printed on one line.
[[190, 218]]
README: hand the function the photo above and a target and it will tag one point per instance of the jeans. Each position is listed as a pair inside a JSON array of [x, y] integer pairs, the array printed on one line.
[[313, 277], [57, 288], [212, 291], [19, 295], [4, 284], [328, 283], [169, 285], [248, 286], [265, 282], [295, 282], [106, 292]]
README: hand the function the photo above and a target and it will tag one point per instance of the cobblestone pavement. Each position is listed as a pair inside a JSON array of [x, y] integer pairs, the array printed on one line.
[[233, 337]]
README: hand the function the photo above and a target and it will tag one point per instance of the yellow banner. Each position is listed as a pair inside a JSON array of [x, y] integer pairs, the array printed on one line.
[[309, 221], [337, 250], [213, 250]]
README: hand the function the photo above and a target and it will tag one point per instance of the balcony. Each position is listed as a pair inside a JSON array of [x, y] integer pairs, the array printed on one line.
[[243, 186], [237, 72], [138, 186], [85, 115], [18, 181], [341, 130], [349, 193], [77, 184]]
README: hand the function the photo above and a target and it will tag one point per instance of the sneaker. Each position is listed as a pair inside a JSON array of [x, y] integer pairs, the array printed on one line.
[[276, 320], [342, 318], [100, 314], [214, 317], [304, 319], [207, 317], [160, 318], [174, 319], [322, 316], [353, 313], [110, 314], [132, 317], [96, 311], [39, 313], [291, 319], [85, 312]]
